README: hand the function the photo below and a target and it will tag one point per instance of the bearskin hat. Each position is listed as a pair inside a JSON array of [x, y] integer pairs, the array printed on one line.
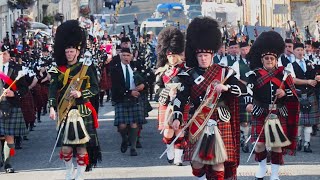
[[203, 35], [170, 41], [69, 35], [267, 43]]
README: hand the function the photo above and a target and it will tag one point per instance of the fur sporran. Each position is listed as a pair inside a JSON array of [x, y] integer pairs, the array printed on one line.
[[210, 147], [274, 134], [75, 131]]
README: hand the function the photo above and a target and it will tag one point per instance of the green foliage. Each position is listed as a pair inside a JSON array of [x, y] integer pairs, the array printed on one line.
[[48, 20]]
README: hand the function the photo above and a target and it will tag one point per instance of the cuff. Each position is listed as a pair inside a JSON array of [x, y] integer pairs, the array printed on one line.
[[248, 100], [86, 94], [127, 93], [79, 100], [17, 94], [177, 115], [52, 102], [288, 92]]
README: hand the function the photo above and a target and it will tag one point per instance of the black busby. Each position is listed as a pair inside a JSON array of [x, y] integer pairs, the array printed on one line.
[[69, 35], [203, 35], [298, 45], [170, 41], [267, 43]]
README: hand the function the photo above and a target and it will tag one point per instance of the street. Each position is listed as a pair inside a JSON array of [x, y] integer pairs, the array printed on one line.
[[31, 163]]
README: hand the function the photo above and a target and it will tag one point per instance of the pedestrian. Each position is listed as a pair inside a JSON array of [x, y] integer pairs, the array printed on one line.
[[135, 21], [213, 138], [70, 97], [273, 104], [169, 67]]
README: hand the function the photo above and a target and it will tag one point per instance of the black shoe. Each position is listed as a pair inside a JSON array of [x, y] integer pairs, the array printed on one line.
[[307, 148], [299, 146], [108, 99], [101, 105], [25, 138], [138, 144], [245, 148], [88, 168], [314, 130], [1, 164], [258, 178], [133, 152], [178, 164], [39, 121], [124, 146], [31, 128], [44, 113], [8, 168], [170, 161]]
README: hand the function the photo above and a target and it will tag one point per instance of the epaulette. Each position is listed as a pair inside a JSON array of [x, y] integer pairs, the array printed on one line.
[[54, 70], [250, 73], [161, 69]]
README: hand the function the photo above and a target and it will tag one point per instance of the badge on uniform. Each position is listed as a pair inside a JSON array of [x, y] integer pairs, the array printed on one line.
[[198, 80]]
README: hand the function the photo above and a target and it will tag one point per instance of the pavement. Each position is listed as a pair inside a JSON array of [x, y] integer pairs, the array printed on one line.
[[32, 162]]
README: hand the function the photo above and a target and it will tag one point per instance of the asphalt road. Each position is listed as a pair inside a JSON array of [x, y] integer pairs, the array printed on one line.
[[32, 161]]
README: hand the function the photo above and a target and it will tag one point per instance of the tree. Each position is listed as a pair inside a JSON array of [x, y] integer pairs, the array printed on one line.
[[20, 4]]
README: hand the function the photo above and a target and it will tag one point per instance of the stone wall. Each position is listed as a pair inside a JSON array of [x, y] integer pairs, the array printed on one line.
[[306, 14]]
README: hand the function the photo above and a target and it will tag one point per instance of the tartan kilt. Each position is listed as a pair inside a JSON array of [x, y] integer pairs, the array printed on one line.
[[37, 93], [226, 135], [129, 112], [105, 82], [15, 125], [257, 124], [244, 115], [44, 94], [312, 117], [27, 108], [162, 112]]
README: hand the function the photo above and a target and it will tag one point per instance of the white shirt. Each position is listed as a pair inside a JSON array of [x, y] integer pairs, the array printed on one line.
[[132, 85], [6, 68]]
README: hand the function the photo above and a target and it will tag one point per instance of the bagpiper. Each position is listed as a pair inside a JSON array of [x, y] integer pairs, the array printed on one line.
[[72, 84], [272, 102], [213, 139]]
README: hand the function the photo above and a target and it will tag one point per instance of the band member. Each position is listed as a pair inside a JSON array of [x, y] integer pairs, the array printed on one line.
[[220, 54], [129, 105], [214, 135], [11, 121], [305, 80], [234, 54], [242, 67], [287, 57], [170, 47], [274, 122], [71, 86]]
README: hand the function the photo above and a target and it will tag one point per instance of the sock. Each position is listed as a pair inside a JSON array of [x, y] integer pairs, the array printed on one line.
[[299, 132], [133, 133], [1, 148], [124, 134], [275, 171], [8, 151], [262, 170], [307, 135], [245, 130]]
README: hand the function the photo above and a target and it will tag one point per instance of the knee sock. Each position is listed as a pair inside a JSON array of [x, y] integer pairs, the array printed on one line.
[[8, 152], [245, 130], [133, 133], [307, 135], [300, 128], [124, 134]]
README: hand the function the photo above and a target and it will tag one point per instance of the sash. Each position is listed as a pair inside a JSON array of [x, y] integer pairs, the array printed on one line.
[[267, 76], [67, 102], [214, 73]]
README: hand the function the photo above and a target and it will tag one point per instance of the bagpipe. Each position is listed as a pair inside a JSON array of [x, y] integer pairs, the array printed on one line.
[[308, 35]]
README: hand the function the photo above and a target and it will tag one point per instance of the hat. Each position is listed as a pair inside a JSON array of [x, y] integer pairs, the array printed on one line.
[[267, 43], [309, 42], [125, 39], [243, 44], [118, 47], [232, 43], [203, 36], [298, 45], [288, 41], [69, 35], [126, 50], [5, 47], [170, 41]]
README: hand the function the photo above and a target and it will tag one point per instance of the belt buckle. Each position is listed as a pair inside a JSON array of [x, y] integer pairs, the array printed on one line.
[[198, 80], [272, 108]]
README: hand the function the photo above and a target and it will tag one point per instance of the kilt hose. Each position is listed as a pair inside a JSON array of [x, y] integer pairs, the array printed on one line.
[[27, 108], [44, 95], [311, 118], [129, 112], [15, 125], [105, 82], [37, 97], [226, 135], [161, 116], [257, 124], [244, 115]]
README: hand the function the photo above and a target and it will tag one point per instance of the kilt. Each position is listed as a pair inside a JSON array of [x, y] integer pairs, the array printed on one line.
[[146, 104], [14, 126], [129, 112], [44, 94], [244, 115], [162, 112], [226, 135], [257, 124], [27, 108], [105, 82], [312, 117], [37, 93]]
